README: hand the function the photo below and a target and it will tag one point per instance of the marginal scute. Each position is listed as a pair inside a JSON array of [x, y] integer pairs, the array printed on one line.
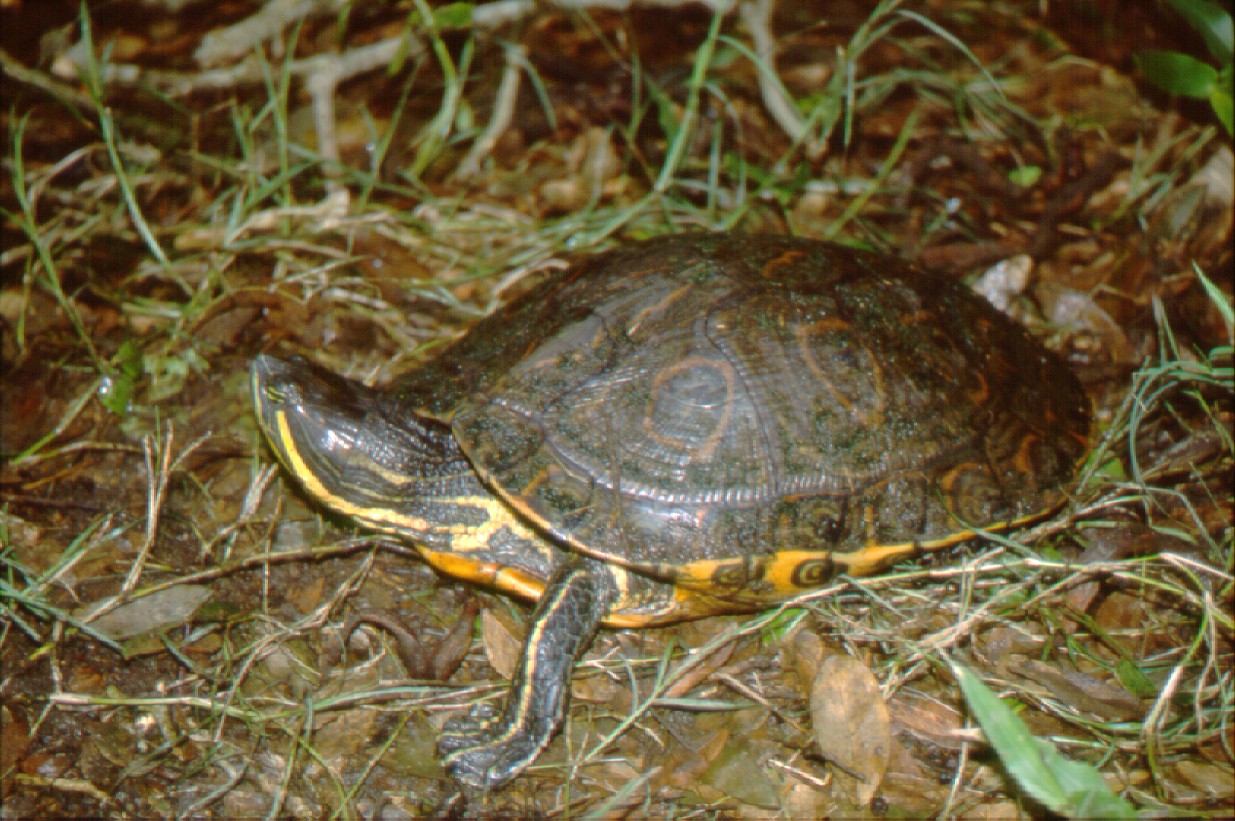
[[973, 496]]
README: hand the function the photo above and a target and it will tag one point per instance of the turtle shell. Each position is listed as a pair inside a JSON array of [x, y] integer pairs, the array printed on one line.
[[736, 414]]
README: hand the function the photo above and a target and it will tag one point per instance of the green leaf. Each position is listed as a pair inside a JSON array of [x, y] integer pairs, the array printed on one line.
[[1220, 99], [1178, 73], [129, 360], [1026, 176], [454, 16], [1070, 788], [1213, 23], [1113, 469], [1220, 300], [115, 393], [116, 388], [1134, 679]]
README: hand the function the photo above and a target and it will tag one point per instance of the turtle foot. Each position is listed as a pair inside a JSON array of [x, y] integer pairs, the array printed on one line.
[[487, 766]]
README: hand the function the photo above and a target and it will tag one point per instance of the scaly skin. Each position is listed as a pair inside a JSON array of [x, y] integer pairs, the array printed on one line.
[[486, 755]]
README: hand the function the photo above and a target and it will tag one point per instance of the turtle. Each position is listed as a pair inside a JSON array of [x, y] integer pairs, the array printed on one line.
[[685, 426]]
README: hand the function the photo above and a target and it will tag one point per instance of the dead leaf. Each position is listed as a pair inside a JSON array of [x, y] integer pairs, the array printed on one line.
[[684, 767], [502, 647], [343, 736], [716, 660], [850, 720], [803, 652], [307, 597], [929, 720], [155, 613], [14, 736], [740, 772], [998, 811], [1084, 692], [910, 785], [805, 801], [1216, 782]]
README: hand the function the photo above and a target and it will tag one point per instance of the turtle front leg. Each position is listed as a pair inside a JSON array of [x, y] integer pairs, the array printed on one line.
[[566, 619]]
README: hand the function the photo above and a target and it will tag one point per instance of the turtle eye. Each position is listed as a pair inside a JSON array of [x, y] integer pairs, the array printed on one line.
[[828, 528]]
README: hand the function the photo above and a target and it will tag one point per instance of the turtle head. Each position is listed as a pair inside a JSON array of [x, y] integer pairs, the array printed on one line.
[[348, 445]]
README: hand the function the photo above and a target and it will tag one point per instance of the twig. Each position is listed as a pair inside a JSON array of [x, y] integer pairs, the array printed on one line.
[[503, 113], [159, 467], [61, 91], [233, 42], [757, 15]]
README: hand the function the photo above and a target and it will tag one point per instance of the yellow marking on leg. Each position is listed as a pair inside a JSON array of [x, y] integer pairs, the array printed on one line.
[[503, 578]]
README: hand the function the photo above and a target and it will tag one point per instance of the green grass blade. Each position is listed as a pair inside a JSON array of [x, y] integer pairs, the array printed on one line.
[[1073, 789]]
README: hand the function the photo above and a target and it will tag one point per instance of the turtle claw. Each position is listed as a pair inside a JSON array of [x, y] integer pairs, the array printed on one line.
[[489, 766], [485, 754], [480, 752]]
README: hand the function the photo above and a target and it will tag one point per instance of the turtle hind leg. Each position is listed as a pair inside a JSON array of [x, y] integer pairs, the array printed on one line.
[[570, 611]]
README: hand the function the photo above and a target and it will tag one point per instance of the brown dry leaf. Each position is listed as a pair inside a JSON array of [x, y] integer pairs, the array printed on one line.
[[694, 677], [501, 645], [803, 652], [929, 720], [804, 801], [912, 788], [1215, 782], [1084, 692], [741, 772], [147, 645], [342, 736], [1076, 312], [307, 596], [14, 736], [851, 725], [159, 611], [684, 767], [998, 811]]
